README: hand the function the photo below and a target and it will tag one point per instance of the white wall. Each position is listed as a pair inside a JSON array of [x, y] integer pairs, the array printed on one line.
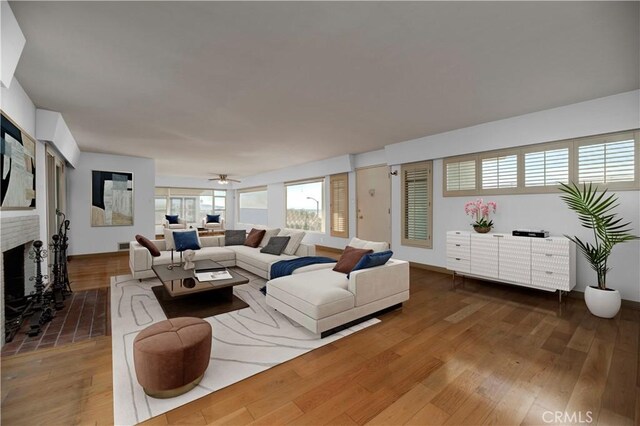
[[539, 211], [603, 115], [277, 199], [609, 114], [51, 127], [17, 105], [12, 43], [85, 239]]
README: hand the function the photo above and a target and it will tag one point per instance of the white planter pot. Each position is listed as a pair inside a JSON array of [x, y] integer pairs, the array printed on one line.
[[602, 303]]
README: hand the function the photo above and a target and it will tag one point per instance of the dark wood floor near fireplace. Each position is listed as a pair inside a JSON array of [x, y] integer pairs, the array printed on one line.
[[84, 316]]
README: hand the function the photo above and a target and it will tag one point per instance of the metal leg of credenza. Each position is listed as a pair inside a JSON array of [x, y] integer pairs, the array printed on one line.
[[560, 295]]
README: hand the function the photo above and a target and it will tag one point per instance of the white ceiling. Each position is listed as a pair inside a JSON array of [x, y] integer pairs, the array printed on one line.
[[242, 88]]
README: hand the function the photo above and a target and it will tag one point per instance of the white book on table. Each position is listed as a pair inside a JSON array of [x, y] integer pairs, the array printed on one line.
[[213, 275]]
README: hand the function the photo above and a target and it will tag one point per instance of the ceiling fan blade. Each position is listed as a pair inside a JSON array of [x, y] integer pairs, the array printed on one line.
[[222, 177]]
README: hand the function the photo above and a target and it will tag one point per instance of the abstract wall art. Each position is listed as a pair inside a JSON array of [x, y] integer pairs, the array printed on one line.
[[17, 168], [111, 198]]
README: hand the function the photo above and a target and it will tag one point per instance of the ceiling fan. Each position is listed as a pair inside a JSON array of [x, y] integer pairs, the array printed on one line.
[[223, 179]]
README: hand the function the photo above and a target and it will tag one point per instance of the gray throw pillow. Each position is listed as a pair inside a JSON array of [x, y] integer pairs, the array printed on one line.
[[234, 237], [276, 245]]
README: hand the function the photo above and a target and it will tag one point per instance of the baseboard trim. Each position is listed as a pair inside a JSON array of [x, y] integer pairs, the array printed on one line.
[[98, 255], [430, 268], [576, 294]]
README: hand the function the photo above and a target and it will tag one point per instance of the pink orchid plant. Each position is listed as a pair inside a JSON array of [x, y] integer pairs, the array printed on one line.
[[480, 212]]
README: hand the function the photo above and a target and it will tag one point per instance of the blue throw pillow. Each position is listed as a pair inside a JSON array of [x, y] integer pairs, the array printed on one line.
[[213, 218], [186, 240], [172, 219], [372, 259]]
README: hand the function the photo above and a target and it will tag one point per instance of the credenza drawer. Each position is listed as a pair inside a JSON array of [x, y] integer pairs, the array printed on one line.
[[458, 264], [458, 238], [550, 280], [550, 262], [458, 250], [553, 245]]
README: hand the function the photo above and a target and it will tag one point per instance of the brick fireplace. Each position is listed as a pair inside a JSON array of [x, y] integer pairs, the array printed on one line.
[[18, 233]]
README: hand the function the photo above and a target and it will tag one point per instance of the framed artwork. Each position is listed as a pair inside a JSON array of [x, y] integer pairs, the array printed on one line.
[[17, 168], [111, 198]]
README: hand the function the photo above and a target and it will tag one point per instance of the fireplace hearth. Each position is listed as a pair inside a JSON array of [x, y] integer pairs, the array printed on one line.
[[17, 231], [15, 275]]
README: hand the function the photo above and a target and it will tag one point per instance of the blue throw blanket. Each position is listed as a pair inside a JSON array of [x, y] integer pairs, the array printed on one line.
[[286, 267]]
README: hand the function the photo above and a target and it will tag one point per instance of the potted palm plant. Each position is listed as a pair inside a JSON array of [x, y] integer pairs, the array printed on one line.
[[595, 212]]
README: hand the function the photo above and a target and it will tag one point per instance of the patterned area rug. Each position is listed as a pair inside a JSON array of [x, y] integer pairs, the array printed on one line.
[[245, 342]]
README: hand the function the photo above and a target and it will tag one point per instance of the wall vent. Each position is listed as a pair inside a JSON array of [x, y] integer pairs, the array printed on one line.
[[123, 246]]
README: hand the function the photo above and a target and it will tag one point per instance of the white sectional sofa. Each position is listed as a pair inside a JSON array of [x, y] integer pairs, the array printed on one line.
[[213, 248], [325, 301], [320, 299]]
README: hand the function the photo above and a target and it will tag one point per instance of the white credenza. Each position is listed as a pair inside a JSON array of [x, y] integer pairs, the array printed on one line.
[[543, 263]]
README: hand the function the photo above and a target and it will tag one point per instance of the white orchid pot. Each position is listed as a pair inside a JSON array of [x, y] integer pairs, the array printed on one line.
[[602, 303]]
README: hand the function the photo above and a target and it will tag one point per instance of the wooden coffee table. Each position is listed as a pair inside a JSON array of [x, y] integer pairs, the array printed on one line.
[[182, 295]]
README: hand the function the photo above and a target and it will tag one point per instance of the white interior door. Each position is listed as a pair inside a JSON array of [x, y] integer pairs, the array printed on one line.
[[373, 204]]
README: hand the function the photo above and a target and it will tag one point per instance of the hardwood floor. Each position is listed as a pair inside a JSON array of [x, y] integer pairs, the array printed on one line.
[[481, 353]]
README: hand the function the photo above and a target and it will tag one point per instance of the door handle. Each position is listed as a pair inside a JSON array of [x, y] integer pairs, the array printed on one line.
[[360, 217]]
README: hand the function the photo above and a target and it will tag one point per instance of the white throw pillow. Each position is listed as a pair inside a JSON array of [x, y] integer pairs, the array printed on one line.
[[168, 237], [369, 245], [295, 238], [270, 232]]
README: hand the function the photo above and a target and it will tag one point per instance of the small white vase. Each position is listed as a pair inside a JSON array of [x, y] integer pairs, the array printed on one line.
[[602, 303]]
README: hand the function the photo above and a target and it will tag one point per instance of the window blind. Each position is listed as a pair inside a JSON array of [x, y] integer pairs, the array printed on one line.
[[546, 168], [607, 162], [500, 172], [461, 175], [339, 194], [252, 206], [416, 181]]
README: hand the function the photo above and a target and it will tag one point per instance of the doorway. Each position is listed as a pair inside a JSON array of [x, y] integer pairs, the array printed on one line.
[[373, 203]]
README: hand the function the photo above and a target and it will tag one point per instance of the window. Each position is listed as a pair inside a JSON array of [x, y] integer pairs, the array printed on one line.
[[161, 209], [609, 161], [219, 203], [417, 190], [191, 204], [252, 206], [339, 195], [500, 172], [460, 175], [176, 206], [546, 167], [305, 205]]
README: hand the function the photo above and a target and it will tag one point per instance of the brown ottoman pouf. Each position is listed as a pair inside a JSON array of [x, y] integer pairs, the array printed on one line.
[[171, 356]]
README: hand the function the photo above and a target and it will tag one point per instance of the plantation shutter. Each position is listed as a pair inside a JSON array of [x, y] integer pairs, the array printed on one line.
[[607, 162], [461, 176], [546, 168], [500, 172], [339, 195], [417, 204]]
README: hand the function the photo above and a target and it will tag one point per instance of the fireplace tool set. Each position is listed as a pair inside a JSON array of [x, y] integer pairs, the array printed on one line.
[[41, 305]]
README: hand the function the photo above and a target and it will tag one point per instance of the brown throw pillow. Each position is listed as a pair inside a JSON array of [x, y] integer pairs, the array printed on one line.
[[254, 237], [146, 243], [350, 257]]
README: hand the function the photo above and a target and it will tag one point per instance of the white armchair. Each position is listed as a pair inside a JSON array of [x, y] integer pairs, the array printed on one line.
[[213, 226], [182, 224]]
